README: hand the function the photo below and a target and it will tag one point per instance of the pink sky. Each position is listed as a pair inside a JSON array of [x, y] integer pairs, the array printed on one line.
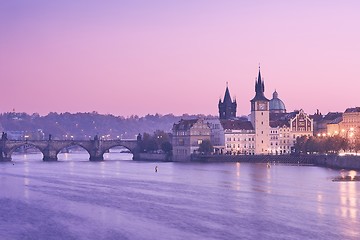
[[139, 57]]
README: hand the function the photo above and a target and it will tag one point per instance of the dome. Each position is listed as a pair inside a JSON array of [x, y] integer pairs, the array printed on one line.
[[276, 105]]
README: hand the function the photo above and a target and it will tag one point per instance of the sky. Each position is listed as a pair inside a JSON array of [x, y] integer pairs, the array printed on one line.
[[147, 57]]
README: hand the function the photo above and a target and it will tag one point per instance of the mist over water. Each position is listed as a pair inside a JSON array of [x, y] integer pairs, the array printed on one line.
[[114, 199]]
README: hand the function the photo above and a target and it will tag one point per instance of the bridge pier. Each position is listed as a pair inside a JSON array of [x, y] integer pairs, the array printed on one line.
[[5, 159], [96, 158], [49, 159], [50, 155], [4, 156]]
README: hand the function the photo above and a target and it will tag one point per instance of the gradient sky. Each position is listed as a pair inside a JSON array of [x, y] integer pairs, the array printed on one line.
[[139, 57]]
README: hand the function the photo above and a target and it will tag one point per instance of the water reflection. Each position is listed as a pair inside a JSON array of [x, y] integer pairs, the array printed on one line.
[[348, 200], [320, 208], [237, 182], [349, 206], [182, 201]]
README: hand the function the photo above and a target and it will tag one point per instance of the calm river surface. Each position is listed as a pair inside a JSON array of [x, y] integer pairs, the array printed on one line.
[[74, 199]]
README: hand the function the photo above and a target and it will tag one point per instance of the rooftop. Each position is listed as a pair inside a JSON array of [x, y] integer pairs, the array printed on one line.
[[352, 110], [237, 125]]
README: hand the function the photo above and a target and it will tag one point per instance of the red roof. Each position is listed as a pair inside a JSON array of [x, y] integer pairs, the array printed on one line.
[[237, 125]]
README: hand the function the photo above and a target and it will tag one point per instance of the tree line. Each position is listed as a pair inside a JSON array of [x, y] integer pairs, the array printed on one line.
[[159, 141], [328, 144]]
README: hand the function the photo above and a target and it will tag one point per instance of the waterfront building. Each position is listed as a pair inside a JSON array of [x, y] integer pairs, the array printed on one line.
[[321, 122], [239, 137], [187, 136], [227, 107], [280, 142], [271, 130], [317, 118], [217, 136], [351, 122], [301, 125], [260, 117], [286, 128], [333, 128], [348, 125]]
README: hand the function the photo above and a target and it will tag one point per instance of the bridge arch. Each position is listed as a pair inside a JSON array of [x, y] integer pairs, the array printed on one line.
[[106, 152], [27, 145], [71, 145]]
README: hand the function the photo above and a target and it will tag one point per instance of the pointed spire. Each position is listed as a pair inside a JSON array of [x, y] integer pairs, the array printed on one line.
[[259, 87], [259, 76], [227, 97]]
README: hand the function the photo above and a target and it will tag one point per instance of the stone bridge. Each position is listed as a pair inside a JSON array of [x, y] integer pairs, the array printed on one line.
[[50, 148]]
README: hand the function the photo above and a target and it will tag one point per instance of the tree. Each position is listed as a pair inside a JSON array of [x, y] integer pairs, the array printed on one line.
[[300, 144], [206, 147], [356, 144], [311, 145], [166, 147], [148, 143], [160, 137]]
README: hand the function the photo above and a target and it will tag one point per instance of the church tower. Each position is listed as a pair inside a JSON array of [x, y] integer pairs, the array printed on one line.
[[260, 117], [227, 108]]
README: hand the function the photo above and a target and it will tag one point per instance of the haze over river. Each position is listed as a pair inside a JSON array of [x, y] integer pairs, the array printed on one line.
[[78, 199]]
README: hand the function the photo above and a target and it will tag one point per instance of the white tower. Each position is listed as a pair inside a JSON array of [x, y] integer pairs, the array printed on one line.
[[260, 118]]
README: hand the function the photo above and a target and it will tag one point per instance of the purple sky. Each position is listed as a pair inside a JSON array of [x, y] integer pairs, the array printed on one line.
[[139, 57]]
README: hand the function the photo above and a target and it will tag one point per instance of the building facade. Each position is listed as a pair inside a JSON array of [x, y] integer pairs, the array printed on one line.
[[239, 137], [187, 136], [286, 128], [280, 138], [217, 135], [347, 126], [271, 130]]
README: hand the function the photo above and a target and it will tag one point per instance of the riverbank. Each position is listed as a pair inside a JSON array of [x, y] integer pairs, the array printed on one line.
[[331, 161]]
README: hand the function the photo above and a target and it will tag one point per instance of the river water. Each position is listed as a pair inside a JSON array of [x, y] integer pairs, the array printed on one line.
[[78, 199]]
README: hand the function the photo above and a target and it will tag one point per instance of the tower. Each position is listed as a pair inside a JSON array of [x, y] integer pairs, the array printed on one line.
[[260, 117], [227, 108]]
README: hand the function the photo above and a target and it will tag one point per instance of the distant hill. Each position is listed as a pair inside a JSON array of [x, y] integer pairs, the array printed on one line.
[[85, 125]]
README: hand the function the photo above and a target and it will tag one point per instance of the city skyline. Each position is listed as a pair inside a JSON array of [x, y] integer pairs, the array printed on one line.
[[139, 57]]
